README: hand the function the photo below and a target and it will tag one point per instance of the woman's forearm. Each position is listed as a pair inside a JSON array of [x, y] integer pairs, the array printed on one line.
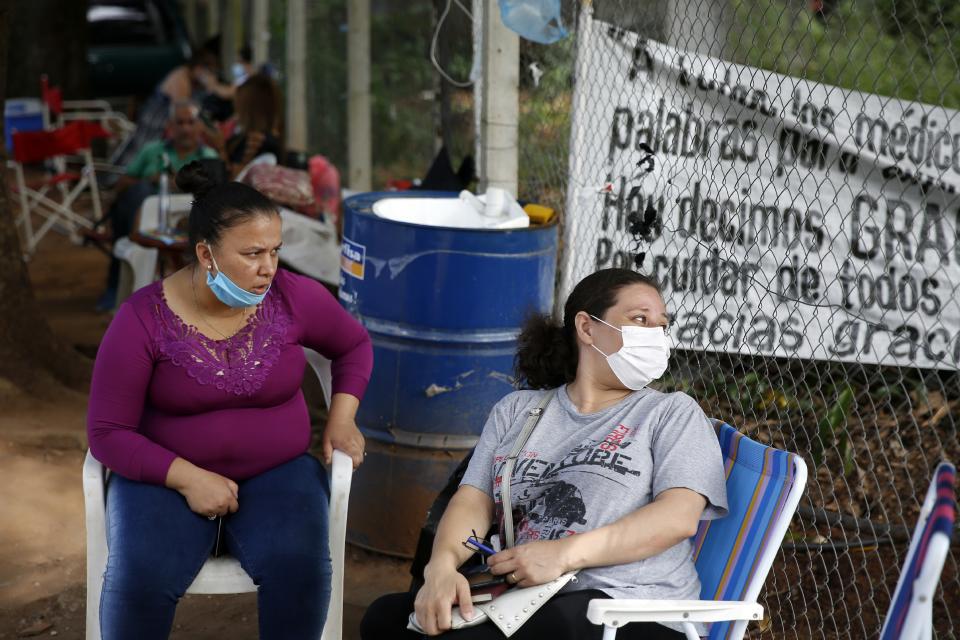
[[644, 533], [469, 510], [179, 474], [343, 406]]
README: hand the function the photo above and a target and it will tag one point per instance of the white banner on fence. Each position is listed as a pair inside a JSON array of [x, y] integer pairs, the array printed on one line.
[[793, 218]]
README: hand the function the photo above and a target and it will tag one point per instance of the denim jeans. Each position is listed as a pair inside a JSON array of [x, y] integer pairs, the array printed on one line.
[[157, 546]]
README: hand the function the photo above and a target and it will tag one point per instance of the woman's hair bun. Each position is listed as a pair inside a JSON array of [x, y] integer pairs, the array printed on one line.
[[194, 178]]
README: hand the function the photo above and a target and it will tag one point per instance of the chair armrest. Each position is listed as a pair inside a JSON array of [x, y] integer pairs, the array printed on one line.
[[618, 612], [341, 474], [92, 482], [93, 502]]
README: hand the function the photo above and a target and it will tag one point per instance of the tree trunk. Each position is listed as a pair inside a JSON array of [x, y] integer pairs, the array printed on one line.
[[49, 36], [31, 357]]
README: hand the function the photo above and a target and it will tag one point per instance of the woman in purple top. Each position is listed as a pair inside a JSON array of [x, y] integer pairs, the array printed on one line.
[[196, 407]]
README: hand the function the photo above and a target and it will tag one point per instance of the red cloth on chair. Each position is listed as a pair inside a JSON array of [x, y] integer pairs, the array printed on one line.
[[35, 146], [52, 96]]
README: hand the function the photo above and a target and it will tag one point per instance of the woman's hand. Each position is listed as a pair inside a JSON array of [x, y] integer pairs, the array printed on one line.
[[531, 563], [443, 587], [343, 434], [207, 493]]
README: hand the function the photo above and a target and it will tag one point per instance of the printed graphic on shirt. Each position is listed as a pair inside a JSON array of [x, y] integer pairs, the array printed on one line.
[[547, 502]]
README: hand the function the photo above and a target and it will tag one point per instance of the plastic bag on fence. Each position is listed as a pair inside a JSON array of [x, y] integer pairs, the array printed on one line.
[[536, 20], [283, 185]]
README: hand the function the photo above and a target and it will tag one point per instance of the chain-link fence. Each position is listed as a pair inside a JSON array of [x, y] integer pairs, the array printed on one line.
[[405, 108], [789, 171]]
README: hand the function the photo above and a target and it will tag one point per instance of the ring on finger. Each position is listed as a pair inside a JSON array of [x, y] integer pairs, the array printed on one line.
[[512, 578]]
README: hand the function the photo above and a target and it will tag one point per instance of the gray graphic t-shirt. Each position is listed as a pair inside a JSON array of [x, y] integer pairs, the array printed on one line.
[[580, 472]]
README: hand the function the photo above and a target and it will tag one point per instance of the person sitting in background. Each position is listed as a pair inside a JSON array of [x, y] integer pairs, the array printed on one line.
[[257, 124], [181, 83], [241, 70], [142, 175]]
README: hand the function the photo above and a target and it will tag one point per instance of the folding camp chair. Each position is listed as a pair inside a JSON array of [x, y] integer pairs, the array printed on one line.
[[224, 574], [911, 611], [57, 112], [733, 555], [37, 197]]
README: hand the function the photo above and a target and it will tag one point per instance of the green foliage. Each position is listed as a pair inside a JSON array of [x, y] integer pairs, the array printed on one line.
[[833, 428], [402, 82], [400, 74], [544, 121], [906, 50]]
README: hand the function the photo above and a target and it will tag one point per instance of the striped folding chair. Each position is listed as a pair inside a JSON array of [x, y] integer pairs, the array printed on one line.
[[911, 611], [733, 555]]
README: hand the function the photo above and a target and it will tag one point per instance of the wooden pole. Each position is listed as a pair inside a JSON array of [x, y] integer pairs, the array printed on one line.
[[359, 148], [296, 70], [260, 32], [190, 18], [499, 104], [213, 18], [232, 34]]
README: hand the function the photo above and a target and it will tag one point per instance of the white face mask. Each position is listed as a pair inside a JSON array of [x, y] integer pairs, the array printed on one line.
[[642, 358]]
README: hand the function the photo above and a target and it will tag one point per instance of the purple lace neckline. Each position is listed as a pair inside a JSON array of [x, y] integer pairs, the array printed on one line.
[[238, 364]]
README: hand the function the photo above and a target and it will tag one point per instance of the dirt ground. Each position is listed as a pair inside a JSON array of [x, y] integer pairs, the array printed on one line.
[[42, 445]]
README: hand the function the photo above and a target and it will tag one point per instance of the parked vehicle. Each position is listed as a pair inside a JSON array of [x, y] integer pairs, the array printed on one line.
[[133, 44]]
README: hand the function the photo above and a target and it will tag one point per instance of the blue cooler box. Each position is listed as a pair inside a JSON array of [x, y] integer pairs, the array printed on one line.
[[21, 114]]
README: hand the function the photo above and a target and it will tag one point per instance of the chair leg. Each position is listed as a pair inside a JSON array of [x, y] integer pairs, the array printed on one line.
[[691, 632], [91, 177], [609, 633]]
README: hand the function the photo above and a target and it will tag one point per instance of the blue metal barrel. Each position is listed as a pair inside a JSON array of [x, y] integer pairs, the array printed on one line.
[[443, 307]]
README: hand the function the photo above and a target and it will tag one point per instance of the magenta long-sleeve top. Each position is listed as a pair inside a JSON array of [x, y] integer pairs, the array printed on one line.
[[162, 390]]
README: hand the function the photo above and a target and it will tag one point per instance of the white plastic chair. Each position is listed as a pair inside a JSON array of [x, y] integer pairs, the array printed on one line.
[[224, 574], [138, 263], [263, 158]]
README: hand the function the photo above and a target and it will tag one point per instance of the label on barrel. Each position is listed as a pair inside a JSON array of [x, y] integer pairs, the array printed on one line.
[[352, 256]]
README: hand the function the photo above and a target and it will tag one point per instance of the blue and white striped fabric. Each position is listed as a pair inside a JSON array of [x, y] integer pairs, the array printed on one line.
[[727, 551]]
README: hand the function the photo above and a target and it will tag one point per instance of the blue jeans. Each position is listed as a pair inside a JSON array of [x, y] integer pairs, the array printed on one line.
[[157, 546]]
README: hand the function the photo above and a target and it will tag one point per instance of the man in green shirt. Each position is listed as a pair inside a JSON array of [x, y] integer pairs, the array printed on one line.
[[183, 147], [143, 174]]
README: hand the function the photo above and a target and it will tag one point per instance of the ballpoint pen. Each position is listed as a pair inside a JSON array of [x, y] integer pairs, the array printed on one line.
[[479, 545]]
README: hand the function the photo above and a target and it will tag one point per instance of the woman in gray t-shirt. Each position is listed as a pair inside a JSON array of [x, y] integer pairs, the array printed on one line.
[[611, 483]]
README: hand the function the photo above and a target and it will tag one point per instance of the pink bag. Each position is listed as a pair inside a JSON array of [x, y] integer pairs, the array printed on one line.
[[326, 186], [283, 185]]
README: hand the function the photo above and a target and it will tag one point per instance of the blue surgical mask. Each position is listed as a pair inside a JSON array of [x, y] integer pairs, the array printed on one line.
[[239, 73], [228, 292]]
